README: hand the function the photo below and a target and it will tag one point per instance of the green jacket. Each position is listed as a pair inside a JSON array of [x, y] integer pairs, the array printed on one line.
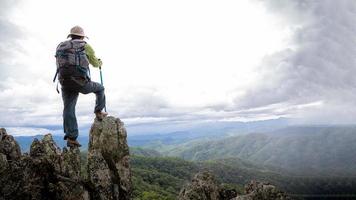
[[93, 60]]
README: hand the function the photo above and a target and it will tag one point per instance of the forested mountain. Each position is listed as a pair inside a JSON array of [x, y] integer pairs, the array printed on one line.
[[161, 178], [138, 151], [301, 150], [299, 160]]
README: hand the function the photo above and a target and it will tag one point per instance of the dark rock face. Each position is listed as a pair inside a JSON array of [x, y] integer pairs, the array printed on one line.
[[47, 173], [8, 146], [227, 194], [108, 160]]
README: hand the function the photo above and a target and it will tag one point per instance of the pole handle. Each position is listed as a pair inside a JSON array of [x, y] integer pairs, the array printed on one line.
[[101, 80]]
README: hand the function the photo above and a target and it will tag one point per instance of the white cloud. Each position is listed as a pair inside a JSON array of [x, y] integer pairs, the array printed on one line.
[[317, 66], [29, 131], [162, 60], [185, 61]]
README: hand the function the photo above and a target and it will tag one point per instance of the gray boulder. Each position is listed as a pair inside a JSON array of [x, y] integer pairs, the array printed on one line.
[[8, 146], [108, 160], [202, 187], [262, 191]]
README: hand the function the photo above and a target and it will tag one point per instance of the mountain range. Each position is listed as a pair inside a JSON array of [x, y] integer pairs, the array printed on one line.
[[304, 160], [312, 151]]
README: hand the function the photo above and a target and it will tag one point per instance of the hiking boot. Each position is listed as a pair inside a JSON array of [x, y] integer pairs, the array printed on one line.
[[100, 115], [73, 143]]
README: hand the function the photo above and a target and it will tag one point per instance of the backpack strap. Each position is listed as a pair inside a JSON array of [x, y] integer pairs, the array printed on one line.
[[57, 88], [54, 79], [55, 76], [57, 71]]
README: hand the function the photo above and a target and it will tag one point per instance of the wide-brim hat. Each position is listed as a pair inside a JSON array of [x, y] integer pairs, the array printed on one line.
[[77, 30]]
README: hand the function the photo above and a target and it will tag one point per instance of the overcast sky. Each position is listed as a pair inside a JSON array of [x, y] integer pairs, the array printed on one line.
[[185, 61]]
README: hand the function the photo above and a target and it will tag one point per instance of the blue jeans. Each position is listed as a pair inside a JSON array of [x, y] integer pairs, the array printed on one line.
[[70, 97]]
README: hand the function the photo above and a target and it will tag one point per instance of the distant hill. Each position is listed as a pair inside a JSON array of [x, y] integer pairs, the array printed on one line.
[[163, 177], [154, 138], [309, 150], [160, 136], [26, 141], [301, 150], [138, 151]]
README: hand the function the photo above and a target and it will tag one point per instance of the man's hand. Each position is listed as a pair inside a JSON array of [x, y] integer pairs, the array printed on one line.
[[101, 63]]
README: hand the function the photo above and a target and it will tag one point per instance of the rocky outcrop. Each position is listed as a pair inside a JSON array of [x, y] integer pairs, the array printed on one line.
[[49, 173], [262, 191], [204, 187], [44, 173], [8, 146], [108, 160]]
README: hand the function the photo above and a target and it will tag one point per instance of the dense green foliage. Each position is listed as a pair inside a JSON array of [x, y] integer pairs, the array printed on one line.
[[163, 177], [138, 151]]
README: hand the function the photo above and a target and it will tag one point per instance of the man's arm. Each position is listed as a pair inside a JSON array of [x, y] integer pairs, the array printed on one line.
[[93, 60]]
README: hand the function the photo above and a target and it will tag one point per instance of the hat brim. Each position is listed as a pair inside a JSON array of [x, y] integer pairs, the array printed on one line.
[[77, 35]]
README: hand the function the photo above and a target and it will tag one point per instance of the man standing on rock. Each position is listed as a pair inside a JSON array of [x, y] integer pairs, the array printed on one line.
[[73, 57]]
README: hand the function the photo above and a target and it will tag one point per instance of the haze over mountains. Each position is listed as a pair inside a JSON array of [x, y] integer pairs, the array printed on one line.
[[302, 150], [171, 133], [298, 159], [310, 150]]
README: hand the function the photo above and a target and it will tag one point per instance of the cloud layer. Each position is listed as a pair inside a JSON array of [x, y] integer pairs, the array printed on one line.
[[189, 68], [10, 34], [317, 68]]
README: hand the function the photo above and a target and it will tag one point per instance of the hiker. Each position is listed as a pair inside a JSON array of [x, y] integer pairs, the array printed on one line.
[[73, 57]]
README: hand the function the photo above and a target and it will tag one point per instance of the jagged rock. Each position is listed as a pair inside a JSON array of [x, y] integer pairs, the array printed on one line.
[[47, 173], [8, 146], [51, 174], [71, 163], [108, 160], [262, 191], [41, 174], [10, 172], [203, 187]]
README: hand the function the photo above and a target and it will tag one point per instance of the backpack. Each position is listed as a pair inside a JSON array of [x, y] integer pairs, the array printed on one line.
[[72, 63]]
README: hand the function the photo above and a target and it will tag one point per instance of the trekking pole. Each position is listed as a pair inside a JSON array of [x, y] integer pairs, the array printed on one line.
[[101, 79]]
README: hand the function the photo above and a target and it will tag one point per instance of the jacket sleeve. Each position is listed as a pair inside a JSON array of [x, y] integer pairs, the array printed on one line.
[[93, 60]]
